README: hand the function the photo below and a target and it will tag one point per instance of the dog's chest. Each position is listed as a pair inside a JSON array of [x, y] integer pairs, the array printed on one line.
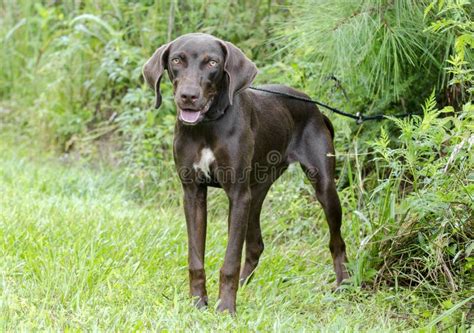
[[203, 161]]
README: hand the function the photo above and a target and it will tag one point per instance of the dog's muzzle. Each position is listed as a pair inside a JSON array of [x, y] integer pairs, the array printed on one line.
[[193, 116]]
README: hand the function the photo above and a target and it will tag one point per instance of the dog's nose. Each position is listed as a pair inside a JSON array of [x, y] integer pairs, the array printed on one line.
[[189, 94]]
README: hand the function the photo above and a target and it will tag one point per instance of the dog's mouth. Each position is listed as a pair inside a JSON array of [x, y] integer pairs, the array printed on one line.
[[193, 116]]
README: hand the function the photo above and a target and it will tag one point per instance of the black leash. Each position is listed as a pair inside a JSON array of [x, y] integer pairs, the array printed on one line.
[[358, 117]]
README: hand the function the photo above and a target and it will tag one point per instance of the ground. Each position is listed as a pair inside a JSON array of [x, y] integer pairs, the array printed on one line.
[[79, 251]]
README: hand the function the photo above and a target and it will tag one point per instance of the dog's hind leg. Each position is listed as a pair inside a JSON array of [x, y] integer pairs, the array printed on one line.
[[318, 162]]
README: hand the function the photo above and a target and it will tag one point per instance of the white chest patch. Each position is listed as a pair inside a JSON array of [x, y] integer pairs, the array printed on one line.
[[204, 163]]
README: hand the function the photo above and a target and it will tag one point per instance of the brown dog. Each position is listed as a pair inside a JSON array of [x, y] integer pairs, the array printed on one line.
[[240, 140]]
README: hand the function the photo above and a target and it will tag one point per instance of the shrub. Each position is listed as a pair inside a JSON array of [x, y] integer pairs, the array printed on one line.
[[424, 234]]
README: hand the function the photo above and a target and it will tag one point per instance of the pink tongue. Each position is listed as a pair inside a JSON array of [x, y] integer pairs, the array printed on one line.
[[189, 116]]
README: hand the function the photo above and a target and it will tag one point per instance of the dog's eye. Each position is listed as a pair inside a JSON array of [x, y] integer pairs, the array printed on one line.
[[176, 61], [212, 63]]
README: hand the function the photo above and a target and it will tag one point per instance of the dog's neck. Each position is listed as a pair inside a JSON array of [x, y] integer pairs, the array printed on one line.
[[217, 110], [214, 114]]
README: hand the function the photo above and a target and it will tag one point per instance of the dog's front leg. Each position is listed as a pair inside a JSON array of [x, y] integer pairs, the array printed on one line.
[[239, 202], [195, 202]]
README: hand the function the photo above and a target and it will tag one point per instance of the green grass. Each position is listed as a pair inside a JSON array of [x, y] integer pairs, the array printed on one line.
[[79, 252]]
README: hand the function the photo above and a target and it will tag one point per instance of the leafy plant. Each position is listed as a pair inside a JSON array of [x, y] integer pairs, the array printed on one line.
[[453, 21], [431, 239], [378, 51]]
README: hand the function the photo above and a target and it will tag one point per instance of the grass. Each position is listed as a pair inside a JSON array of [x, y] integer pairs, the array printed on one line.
[[80, 252]]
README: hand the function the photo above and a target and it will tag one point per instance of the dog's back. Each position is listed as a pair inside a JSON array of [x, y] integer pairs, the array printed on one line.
[[279, 114]]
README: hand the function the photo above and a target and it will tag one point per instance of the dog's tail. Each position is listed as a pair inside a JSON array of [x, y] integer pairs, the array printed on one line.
[[329, 126]]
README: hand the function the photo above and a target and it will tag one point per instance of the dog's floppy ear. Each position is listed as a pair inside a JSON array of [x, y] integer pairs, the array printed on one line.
[[240, 70], [154, 68]]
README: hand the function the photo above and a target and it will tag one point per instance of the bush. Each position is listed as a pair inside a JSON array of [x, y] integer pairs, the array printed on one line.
[[421, 206]]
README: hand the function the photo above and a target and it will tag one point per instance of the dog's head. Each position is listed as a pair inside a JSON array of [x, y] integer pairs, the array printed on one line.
[[206, 73]]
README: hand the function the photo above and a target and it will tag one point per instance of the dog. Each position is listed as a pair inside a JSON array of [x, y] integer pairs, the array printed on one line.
[[240, 140]]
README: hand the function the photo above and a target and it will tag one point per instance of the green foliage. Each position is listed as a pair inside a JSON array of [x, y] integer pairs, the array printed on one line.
[[431, 239], [379, 50], [453, 20]]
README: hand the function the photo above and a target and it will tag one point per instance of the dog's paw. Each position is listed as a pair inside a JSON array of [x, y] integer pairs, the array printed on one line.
[[226, 306], [244, 280], [341, 286], [200, 302]]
